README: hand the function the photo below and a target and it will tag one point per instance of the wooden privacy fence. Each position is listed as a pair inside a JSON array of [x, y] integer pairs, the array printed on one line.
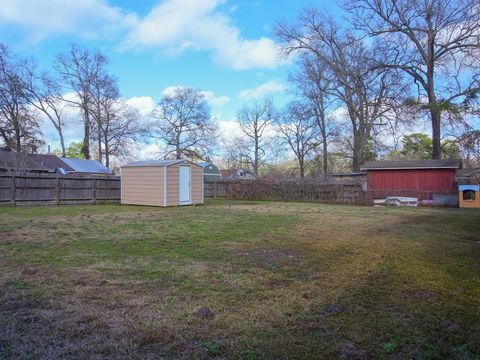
[[41, 189], [344, 193]]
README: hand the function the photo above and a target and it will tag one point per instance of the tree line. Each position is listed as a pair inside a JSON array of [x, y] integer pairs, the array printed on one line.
[[388, 66]]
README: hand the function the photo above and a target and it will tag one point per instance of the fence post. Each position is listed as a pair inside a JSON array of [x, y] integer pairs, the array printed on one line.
[[94, 190], [13, 190], [57, 189]]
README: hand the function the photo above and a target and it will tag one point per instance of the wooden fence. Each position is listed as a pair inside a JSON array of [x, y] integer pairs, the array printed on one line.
[[42, 189], [341, 192]]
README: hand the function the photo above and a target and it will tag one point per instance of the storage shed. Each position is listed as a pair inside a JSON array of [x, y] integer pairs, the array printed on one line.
[[162, 183], [424, 179]]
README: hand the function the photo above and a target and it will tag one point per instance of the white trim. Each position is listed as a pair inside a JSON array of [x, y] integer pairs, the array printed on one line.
[[165, 192], [121, 186]]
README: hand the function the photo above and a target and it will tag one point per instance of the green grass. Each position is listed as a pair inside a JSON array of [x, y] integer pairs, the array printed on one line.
[[277, 280]]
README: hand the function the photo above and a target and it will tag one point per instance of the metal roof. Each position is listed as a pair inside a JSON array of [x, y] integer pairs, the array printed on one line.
[[411, 164], [157, 163], [87, 166]]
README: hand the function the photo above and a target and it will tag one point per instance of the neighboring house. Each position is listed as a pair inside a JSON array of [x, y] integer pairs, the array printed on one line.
[[423, 179], [211, 173], [240, 174], [81, 166], [41, 163]]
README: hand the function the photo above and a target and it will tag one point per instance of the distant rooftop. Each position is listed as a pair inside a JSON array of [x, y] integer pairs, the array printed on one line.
[[412, 164], [86, 166]]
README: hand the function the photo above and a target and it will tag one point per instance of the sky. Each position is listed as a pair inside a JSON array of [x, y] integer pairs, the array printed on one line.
[[224, 47]]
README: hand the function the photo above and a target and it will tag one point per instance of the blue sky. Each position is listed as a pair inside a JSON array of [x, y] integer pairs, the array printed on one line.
[[156, 44], [223, 47]]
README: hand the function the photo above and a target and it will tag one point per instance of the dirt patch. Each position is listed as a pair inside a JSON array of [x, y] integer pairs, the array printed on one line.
[[333, 310], [450, 326], [423, 294], [204, 313], [353, 352]]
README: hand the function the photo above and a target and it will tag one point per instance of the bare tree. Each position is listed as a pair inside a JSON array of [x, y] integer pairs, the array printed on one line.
[[298, 127], [19, 130], [120, 126], [313, 81], [436, 43], [44, 95], [184, 124], [368, 94], [253, 121], [105, 94], [80, 70]]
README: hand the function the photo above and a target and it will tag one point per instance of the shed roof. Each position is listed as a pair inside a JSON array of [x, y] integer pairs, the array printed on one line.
[[157, 163], [86, 166], [412, 164]]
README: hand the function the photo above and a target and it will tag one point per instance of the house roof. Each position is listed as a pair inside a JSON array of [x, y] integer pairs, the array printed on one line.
[[86, 166], [18, 161], [50, 162], [412, 164], [157, 163]]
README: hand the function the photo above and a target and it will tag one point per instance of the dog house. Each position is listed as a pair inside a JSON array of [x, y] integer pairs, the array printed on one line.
[[162, 183], [469, 196]]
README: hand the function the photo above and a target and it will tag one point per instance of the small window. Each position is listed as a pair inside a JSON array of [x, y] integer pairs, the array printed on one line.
[[468, 195]]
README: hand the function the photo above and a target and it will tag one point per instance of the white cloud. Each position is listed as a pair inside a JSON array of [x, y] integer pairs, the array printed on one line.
[[144, 104], [178, 25], [86, 18], [215, 100], [212, 100], [262, 90]]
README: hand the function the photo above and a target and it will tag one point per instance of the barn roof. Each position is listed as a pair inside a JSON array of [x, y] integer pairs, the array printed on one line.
[[50, 162], [412, 164], [86, 166], [157, 163]]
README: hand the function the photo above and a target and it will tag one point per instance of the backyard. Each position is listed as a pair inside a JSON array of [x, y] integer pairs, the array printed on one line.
[[239, 280]]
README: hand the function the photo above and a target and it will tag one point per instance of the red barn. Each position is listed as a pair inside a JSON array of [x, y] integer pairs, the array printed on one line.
[[416, 178]]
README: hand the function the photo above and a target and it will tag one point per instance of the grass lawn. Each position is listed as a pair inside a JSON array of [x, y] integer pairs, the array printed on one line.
[[239, 280]]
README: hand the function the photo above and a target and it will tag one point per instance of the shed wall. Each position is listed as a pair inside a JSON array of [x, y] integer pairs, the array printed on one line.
[[173, 188], [196, 185], [142, 186]]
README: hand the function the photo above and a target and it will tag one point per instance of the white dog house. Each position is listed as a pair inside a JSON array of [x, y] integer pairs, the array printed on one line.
[[162, 183]]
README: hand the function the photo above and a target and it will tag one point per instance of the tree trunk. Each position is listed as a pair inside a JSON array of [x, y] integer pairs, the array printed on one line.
[[358, 153], [436, 135], [325, 154], [62, 141], [302, 168], [86, 135]]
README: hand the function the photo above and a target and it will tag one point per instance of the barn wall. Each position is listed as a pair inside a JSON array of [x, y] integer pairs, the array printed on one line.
[[142, 186], [422, 183]]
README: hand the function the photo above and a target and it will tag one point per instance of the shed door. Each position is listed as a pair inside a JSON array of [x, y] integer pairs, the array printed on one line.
[[184, 184]]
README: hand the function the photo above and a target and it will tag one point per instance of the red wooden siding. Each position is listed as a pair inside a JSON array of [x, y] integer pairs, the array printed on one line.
[[416, 182]]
